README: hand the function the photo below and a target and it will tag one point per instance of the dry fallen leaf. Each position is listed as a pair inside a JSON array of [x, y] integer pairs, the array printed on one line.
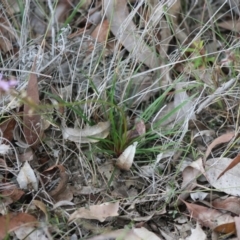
[[90, 134], [222, 139], [42, 207], [13, 221], [10, 193], [128, 234], [237, 223], [31, 119], [125, 160], [214, 219], [125, 31], [231, 204], [229, 182], [234, 162], [100, 33], [30, 233], [98, 212], [190, 175], [27, 178], [7, 128], [197, 233]]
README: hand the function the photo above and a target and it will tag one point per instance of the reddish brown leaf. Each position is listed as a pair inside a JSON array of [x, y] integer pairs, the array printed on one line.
[[222, 139], [234, 162], [212, 218], [13, 221], [32, 119], [7, 128]]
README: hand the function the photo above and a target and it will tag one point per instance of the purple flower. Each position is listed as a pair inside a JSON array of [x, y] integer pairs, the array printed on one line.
[[7, 85]]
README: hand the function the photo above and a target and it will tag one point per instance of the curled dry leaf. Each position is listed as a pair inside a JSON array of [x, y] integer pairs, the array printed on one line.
[[128, 234], [98, 212], [27, 178], [90, 134], [125, 160], [229, 182], [214, 219], [13, 221]]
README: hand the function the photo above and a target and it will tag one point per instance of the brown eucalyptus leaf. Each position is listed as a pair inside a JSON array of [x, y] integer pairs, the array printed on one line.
[[214, 219], [31, 118]]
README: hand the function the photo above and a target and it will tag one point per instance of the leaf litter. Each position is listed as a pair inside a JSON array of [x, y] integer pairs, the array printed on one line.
[[109, 113]]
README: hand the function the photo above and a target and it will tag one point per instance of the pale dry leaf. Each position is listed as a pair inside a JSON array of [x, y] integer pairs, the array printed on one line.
[[197, 233], [27, 177], [125, 160], [229, 182], [128, 234], [90, 134], [125, 31], [218, 93], [63, 203], [30, 233], [234, 162], [191, 173], [185, 111], [65, 92], [198, 196], [98, 212], [4, 149]]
